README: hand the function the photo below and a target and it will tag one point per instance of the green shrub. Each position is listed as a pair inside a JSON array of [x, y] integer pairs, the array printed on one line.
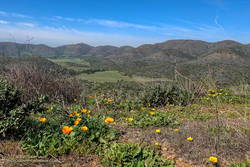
[[241, 164], [162, 96], [47, 138], [147, 119], [132, 155], [13, 112]]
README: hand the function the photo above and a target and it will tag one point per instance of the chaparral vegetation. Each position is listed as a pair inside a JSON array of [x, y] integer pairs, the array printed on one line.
[[53, 117]]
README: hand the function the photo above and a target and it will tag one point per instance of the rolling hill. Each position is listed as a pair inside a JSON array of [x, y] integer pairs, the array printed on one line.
[[230, 60]]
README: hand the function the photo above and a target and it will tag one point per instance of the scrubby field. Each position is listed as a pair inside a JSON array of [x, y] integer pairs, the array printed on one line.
[[124, 124]]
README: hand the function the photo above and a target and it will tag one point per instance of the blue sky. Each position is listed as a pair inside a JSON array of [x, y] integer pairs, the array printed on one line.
[[123, 22]]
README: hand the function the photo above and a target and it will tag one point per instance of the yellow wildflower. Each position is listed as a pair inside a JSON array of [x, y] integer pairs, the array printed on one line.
[[157, 131], [152, 113], [84, 110], [153, 109], [84, 128], [190, 138], [76, 122], [177, 130], [70, 115], [79, 119], [42, 119], [157, 144], [109, 120], [213, 159], [130, 119]]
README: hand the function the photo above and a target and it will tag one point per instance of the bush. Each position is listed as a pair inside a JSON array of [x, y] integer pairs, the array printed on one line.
[[241, 164], [152, 119], [12, 111], [132, 155], [162, 96], [50, 140], [36, 81]]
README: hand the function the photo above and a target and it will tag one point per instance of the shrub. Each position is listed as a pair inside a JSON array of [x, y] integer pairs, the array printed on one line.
[[133, 155], [12, 111], [50, 139], [35, 81], [145, 119], [241, 164], [162, 96]]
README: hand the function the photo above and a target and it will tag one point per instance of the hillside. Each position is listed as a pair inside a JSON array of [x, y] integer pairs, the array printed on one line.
[[229, 59]]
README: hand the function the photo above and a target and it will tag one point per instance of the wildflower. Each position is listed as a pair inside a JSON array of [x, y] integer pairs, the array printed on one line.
[[152, 113], [148, 105], [70, 115], [79, 119], [109, 100], [109, 120], [158, 131], [67, 129], [84, 111], [84, 128], [130, 119], [190, 139], [212, 93], [42, 119], [76, 123], [153, 109], [157, 144], [177, 130], [213, 159]]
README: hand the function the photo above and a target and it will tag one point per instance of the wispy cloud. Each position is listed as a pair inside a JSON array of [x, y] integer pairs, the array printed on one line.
[[4, 22], [107, 23], [60, 36], [25, 24], [18, 15]]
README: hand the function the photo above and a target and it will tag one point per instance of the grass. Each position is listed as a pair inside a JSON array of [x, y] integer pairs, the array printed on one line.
[[137, 133], [80, 65], [106, 76], [75, 64], [114, 76]]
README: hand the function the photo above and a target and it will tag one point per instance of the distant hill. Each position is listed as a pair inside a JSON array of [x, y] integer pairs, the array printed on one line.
[[229, 59]]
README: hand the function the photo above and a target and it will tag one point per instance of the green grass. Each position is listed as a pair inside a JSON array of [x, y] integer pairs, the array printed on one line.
[[79, 65], [114, 76], [106, 76], [75, 64]]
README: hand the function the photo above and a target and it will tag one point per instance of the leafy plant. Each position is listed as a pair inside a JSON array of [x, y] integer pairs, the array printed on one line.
[[148, 118], [50, 139], [133, 155], [13, 112], [162, 96], [241, 164]]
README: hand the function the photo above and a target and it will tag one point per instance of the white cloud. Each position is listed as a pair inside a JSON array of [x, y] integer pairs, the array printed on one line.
[[26, 24], [4, 22], [60, 36], [107, 23], [17, 15]]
